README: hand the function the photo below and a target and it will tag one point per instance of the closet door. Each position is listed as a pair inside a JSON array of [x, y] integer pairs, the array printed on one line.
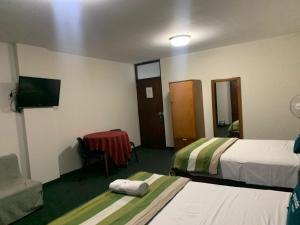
[[187, 112]]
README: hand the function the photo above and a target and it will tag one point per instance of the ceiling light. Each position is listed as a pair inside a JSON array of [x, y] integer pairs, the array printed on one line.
[[180, 40]]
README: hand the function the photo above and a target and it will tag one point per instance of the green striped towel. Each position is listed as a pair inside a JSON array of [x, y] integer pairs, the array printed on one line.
[[117, 209], [202, 156]]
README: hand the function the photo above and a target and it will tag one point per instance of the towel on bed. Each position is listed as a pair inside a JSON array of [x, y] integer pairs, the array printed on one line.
[[129, 187], [202, 156]]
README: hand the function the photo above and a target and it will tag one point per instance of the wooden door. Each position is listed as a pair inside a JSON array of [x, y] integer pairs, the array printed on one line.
[[187, 112], [150, 106], [183, 109], [234, 100]]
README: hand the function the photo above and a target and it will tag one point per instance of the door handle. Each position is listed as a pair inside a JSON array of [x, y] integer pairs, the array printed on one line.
[[161, 117]]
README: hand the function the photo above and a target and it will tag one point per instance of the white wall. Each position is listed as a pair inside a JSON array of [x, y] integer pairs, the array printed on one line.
[[270, 77], [12, 132], [95, 95], [8, 127]]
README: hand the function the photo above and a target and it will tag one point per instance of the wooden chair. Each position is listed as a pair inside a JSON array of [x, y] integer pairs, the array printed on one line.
[[88, 156], [132, 146]]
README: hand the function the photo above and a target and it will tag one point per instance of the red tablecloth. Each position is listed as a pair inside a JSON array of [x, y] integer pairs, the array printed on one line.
[[115, 143]]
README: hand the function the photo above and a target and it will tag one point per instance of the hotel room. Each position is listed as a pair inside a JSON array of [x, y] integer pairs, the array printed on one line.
[[149, 112]]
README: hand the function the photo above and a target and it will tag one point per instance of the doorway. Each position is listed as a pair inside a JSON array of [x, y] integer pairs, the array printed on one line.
[[227, 107], [150, 104]]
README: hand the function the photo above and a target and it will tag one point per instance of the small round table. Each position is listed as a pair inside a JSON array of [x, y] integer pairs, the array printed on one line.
[[116, 144]]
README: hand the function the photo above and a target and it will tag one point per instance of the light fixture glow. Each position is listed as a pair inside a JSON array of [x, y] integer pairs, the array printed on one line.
[[180, 40]]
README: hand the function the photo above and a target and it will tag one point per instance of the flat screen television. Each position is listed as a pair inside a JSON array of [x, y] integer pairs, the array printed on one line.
[[37, 92]]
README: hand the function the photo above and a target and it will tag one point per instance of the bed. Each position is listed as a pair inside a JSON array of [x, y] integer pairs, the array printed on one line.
[[261, 162], [176, 200], [218, 204]]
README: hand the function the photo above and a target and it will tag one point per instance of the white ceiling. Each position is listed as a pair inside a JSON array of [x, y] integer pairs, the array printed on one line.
[[138, 30]]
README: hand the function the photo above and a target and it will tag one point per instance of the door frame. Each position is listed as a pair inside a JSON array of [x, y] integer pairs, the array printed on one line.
[[136, 82], [239, 99]]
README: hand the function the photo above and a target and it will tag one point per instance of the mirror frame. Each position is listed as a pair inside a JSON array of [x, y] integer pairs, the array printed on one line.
[[239, 97]]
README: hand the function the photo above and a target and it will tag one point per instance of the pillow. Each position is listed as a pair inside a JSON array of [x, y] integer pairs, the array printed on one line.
[[294, 207], [297, 145], [235, 126]]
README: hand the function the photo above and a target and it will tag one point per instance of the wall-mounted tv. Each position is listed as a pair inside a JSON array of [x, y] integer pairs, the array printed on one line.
[[37, 92]]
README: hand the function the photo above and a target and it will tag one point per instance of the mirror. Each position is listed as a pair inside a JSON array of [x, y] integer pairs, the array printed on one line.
[[227, 107]]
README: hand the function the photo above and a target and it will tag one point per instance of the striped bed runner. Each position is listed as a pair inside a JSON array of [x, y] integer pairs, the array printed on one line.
[[202, 156], [114, 208]]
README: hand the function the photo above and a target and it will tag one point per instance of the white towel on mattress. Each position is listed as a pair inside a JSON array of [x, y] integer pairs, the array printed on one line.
[[129, 187]]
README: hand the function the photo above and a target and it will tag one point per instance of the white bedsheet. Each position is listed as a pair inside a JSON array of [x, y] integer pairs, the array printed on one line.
[[263, 162], [209, 204]]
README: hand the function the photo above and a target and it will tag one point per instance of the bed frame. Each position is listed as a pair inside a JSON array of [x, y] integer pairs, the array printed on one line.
[[221, 181]]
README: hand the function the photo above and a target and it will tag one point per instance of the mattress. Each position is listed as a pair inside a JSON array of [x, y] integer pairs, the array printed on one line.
[[209, 204], [263, 162]]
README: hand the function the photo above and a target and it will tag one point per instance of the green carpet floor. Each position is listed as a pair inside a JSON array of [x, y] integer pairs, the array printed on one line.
[[222, 131], [76, 188]]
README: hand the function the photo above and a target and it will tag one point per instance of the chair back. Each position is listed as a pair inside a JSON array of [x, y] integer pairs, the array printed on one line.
[[82, 148], [116, 130]]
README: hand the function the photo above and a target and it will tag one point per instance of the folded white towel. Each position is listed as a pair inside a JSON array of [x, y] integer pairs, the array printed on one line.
[[129, 187]]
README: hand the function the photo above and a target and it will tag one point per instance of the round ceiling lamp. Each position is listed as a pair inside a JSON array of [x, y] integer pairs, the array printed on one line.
[[180, 40]]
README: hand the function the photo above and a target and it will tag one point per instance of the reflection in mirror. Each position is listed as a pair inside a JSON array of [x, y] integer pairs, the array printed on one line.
[[227, 108]]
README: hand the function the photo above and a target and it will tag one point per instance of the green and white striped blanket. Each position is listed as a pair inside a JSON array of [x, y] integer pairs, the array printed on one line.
[[117, 209], [201, 156]]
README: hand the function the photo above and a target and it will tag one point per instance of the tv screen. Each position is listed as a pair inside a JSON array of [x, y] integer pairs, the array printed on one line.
[[37, 92]]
